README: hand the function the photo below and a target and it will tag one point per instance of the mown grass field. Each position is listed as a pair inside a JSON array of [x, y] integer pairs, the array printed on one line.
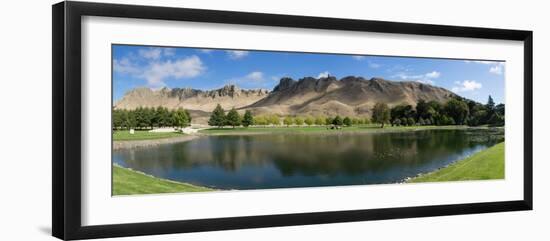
[[127, 182], [484, 165], [321, 129], [124, 135]]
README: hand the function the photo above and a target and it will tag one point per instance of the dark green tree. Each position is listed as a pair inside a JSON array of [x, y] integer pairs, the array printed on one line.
[[347, 121], [427, 122], [129, 119], [490, 104], [217, 118], [117, 119], [410, 121], [142, 120], [328, 121], [421, 121], [180, 118], [337, 121], [446, 120], [403, 121], [457, 110], [163, 117], [381, 114], [148, 116], [499, 109], [396, 122], [248, 119], [233, 118], [422, 108]]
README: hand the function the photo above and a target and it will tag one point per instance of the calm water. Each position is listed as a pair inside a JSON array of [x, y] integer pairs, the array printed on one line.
[[305, 160]]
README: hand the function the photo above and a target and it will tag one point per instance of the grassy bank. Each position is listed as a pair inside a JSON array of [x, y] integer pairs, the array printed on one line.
[[126, 182], [484, 165], [124, 135], [320, 129]]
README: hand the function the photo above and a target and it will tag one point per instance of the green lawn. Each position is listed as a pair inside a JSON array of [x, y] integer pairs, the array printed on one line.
[[321, 129], [484, 165], [124, 135], [126, 182]]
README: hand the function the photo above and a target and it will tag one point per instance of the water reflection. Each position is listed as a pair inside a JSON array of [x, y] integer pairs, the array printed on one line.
[[301, 160]]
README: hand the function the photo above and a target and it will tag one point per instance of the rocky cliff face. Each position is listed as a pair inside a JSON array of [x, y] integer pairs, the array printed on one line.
[[350, 96], [228, 96]]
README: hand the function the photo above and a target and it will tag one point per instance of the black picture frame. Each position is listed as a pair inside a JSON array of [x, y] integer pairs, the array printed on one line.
[[66, 127]]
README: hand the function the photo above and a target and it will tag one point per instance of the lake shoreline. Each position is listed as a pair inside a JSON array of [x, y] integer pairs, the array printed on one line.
[[124, 183], [446, 173], [318, 130], [118, 145], [129, 144]]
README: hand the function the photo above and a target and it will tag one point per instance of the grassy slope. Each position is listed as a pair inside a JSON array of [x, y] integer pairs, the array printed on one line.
[[124, 135], [487, 164], [321, 129], [126, 182]]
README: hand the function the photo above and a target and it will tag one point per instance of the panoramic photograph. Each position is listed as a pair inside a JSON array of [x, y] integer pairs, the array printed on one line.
[[200, 120]]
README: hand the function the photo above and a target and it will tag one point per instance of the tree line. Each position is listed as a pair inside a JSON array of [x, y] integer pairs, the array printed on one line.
[[220, 119], [148, 118], [457, 111]]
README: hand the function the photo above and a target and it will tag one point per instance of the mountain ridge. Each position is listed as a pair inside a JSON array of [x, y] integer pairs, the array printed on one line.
[[182, 97], [348, 96]]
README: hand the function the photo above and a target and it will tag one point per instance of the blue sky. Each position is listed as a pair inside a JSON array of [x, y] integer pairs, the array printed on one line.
[[157, 67]]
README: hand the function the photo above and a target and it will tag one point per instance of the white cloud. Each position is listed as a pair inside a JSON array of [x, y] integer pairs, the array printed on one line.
[[255, 76], [237, 54], [426, 78], [155, 65], [496, 66], [124, 66], [373, 65], [466, 85], [150, 53], [497, 69], [157, 72], [156, 53], [433, 75], [323, 75], [253, 80], [425, 81]]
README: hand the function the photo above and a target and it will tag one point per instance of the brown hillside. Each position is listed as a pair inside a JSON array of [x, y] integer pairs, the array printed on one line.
[[349, 96]]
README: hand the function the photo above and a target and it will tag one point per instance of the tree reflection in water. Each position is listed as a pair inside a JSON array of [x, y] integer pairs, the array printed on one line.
[[299, 160]]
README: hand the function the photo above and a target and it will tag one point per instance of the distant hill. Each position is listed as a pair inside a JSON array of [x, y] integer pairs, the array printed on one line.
[[228, 96], [349, 96], [198, 102]]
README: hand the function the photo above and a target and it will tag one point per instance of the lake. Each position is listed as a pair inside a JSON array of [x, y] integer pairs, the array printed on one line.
[[306, 160]]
